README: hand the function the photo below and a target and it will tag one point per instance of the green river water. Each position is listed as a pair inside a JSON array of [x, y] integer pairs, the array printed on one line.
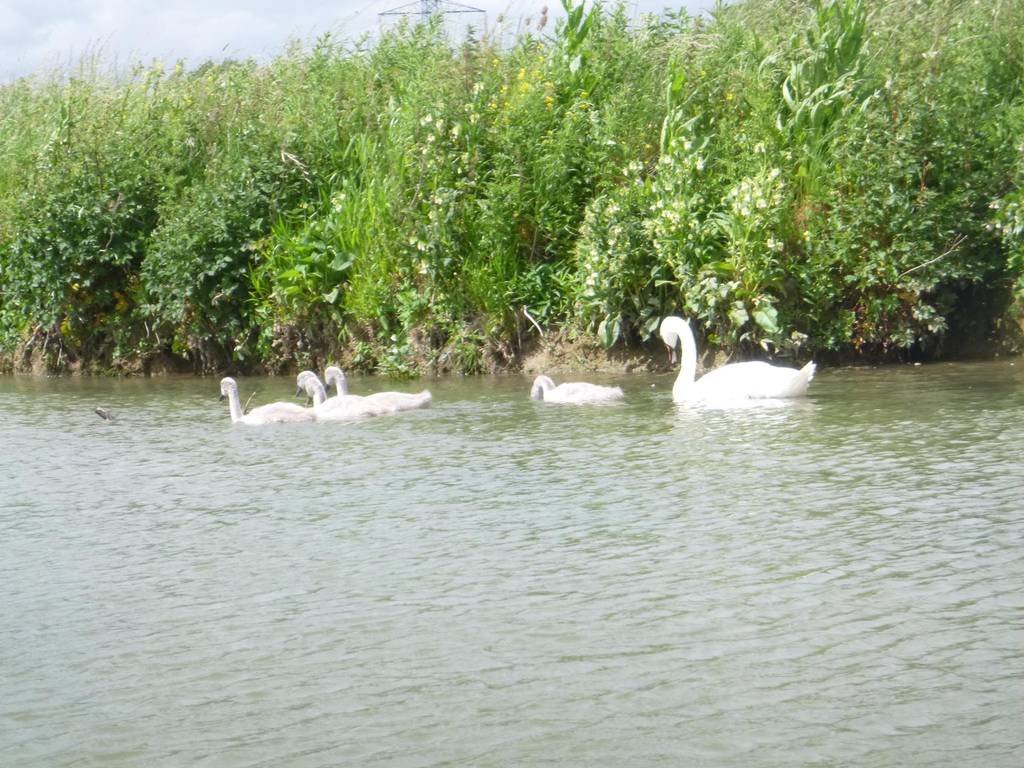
[[835, 581]]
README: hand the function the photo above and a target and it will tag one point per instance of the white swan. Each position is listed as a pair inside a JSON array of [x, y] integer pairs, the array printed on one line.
[[344, 408], [573, 392], [273, 413], [736, 381], [390, 401], [342, 397]]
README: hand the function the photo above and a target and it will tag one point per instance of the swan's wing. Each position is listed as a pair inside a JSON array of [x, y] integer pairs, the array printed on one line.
[[583, 392], [401, 401], [791, 382], [348, 407], [275, 413], [753, 380]]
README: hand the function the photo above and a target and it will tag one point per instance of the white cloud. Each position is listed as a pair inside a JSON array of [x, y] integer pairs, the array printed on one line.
[[40, 35]]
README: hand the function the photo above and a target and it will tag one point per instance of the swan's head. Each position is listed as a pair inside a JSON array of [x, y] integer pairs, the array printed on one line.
[[227, 386], [670, 329], [334, 374], [541, 385], [309, 383], [301, 382]]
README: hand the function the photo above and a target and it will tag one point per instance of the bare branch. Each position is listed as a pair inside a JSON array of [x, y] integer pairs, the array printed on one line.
[[957, 242]]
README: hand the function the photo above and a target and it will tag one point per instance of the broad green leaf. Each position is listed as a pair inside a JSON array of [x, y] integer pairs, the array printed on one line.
[[767, 318], [738, 315]]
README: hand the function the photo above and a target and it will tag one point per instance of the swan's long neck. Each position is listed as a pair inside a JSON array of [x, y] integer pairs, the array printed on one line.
[[234, 405], [688, 363]]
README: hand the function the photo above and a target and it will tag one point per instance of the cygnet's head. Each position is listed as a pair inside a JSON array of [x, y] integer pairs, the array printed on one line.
[[333, 374], [541, 385], [309, 383], [301, 382], [227, 386]]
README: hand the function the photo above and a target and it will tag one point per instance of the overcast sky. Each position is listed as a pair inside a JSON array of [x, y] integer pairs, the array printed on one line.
[[41, 34]]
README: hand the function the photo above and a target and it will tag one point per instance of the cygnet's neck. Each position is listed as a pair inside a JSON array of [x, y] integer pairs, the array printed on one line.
[[234, 405]]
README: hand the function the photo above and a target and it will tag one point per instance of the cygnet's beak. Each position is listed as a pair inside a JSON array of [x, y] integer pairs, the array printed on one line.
[[298, 391]]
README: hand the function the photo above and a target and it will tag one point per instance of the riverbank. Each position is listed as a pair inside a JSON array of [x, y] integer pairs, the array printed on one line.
[[557, 353]]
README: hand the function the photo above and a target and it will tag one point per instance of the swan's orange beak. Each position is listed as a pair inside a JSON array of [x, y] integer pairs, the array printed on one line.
[[671, 355]]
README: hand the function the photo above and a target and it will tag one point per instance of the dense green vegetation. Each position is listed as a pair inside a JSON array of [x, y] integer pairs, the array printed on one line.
[[842, 176]]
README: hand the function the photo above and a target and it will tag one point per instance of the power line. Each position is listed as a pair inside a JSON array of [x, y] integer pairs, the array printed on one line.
[[427, 8]]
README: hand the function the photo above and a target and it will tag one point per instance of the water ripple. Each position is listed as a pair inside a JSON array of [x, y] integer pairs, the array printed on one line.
[[494, 581]]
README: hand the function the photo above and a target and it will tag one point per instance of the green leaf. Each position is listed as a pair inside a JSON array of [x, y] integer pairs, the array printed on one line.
[[342, 261], [609, 330], [738, 314], [767, 318]]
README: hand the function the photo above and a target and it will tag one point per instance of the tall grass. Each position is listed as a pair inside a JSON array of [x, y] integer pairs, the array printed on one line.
[[840, 176]]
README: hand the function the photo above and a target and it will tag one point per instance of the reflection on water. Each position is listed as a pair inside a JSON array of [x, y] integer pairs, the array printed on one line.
[[495, 581]]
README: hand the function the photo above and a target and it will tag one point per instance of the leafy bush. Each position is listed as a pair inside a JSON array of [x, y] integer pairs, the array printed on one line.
[[843, 175]]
